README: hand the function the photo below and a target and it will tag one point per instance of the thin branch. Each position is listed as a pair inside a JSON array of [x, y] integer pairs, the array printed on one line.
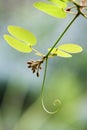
[[62, 34]]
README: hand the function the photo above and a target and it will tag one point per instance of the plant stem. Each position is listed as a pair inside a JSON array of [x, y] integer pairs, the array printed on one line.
[[44, 77], [56, 102], [46, 58], [62, 34], [42, 93]]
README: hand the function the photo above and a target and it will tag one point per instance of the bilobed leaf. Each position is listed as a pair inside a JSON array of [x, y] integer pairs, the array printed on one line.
[[20, 39], [59, 3], [22, 35], [65, 50], [50, 9], [18, 45], [70, 48], [57, 52]]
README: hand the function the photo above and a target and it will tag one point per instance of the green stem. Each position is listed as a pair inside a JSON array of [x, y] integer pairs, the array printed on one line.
[[44, 78], [46, 58], [57, 101], [62, 34]]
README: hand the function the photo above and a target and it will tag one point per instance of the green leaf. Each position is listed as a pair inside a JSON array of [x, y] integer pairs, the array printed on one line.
[[20, 39], [70, 48], [18, 45], [64, 50], [50, 9], [57, 52], [22, 35], [59, 3]]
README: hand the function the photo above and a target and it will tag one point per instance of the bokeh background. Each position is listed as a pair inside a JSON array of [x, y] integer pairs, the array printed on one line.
[[20, 102]]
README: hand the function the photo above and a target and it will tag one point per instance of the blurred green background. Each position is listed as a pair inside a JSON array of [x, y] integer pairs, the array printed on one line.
[[20, 103]]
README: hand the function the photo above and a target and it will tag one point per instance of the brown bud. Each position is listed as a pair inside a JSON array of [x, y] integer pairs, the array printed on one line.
[[28, 62], [29, 66], [37, 74], [40, 67], [68, 9], [34, 71]]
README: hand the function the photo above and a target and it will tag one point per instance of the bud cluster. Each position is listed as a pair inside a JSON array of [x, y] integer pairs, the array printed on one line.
[[35, 66]]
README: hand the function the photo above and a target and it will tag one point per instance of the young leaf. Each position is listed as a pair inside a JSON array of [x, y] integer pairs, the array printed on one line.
[[22, 34], [50, 9], [64, 50], [70, 48], [57, 52], [59, 3], [18, 45], [21, 39]]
